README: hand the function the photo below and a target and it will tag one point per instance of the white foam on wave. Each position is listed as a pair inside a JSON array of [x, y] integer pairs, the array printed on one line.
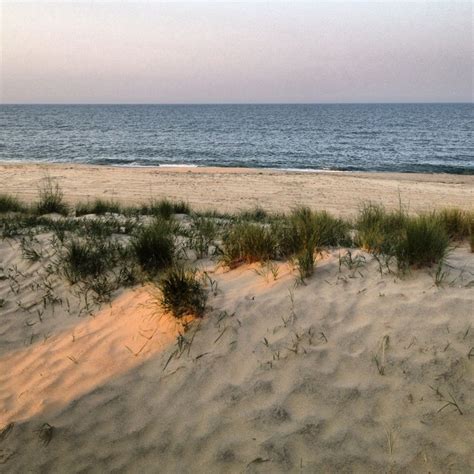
[[307, 170], [178, 166]]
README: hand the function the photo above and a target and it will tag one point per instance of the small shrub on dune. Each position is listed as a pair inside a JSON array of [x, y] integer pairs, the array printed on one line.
[[51, 198], [247, 243], [99, 207], [424, 242], [182, 293], [154, 246], [10, 203]]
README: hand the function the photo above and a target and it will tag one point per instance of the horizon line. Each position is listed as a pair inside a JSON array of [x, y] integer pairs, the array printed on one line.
[[240, 103]]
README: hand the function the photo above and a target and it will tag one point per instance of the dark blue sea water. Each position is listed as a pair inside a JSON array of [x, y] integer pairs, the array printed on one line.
[[376, 137]]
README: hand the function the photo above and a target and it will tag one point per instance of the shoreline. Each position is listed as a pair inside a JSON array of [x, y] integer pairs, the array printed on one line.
[[186, 166], [235, 189]]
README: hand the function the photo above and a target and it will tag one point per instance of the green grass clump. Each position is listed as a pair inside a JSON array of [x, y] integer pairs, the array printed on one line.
[[98, 206], [246, 242], [332, 231], [455, 222], [182, 293], [256, 214], [89, 258], [306, 237], [165, 208], [423, 242], [305, 232], [416, 241], [154, 246], [379, 230], [202, 234], [10, 203], [51, 198]]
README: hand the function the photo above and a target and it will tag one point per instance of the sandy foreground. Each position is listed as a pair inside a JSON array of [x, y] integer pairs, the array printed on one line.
[[350, 373], [357, 371], [231, 189]]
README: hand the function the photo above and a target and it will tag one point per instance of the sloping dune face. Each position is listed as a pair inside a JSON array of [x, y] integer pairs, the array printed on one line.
[[355, 371], [64, 366]]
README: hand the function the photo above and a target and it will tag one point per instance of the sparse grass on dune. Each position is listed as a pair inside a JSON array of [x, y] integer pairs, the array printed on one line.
[[455, 222], [182, 293], [99, 207], [202, 235], [154, 246], [304, 232], [423, 242], [256, 214], [246, 242], [378, 229], [307, 239], [415, 241], [249, 236], [88, 258], [9, 203], [51, 198], [165, 208]]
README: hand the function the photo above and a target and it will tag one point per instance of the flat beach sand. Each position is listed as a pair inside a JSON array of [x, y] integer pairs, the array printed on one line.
[[232, 189], [359, 370]]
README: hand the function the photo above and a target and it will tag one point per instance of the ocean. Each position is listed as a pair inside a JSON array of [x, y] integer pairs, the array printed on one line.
[[427, 138]]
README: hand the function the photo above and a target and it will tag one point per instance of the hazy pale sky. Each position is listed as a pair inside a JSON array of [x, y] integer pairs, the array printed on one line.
[[212, 52]]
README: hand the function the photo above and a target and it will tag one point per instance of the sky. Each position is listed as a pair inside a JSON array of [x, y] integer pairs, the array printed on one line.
[[240, 52]]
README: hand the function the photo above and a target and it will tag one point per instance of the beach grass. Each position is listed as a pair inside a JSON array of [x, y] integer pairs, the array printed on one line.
[[98, 207], [455, 222], [9, 203], [51, 198], [247, 242], [154, 245], [88, 258], [182, 293], [165, 208], [423, 242]]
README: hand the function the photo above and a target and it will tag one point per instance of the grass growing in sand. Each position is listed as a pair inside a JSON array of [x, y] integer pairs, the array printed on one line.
[[182, 293], [246, 242], [423, 242], [165, 208], [98, 207], [10, 203], [413, 241], [119, 246], [456, 222], [51, 198], [89, 258], [154, 246]]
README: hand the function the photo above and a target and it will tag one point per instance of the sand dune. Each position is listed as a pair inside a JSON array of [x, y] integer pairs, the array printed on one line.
[[242, 188], [348, 373]]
